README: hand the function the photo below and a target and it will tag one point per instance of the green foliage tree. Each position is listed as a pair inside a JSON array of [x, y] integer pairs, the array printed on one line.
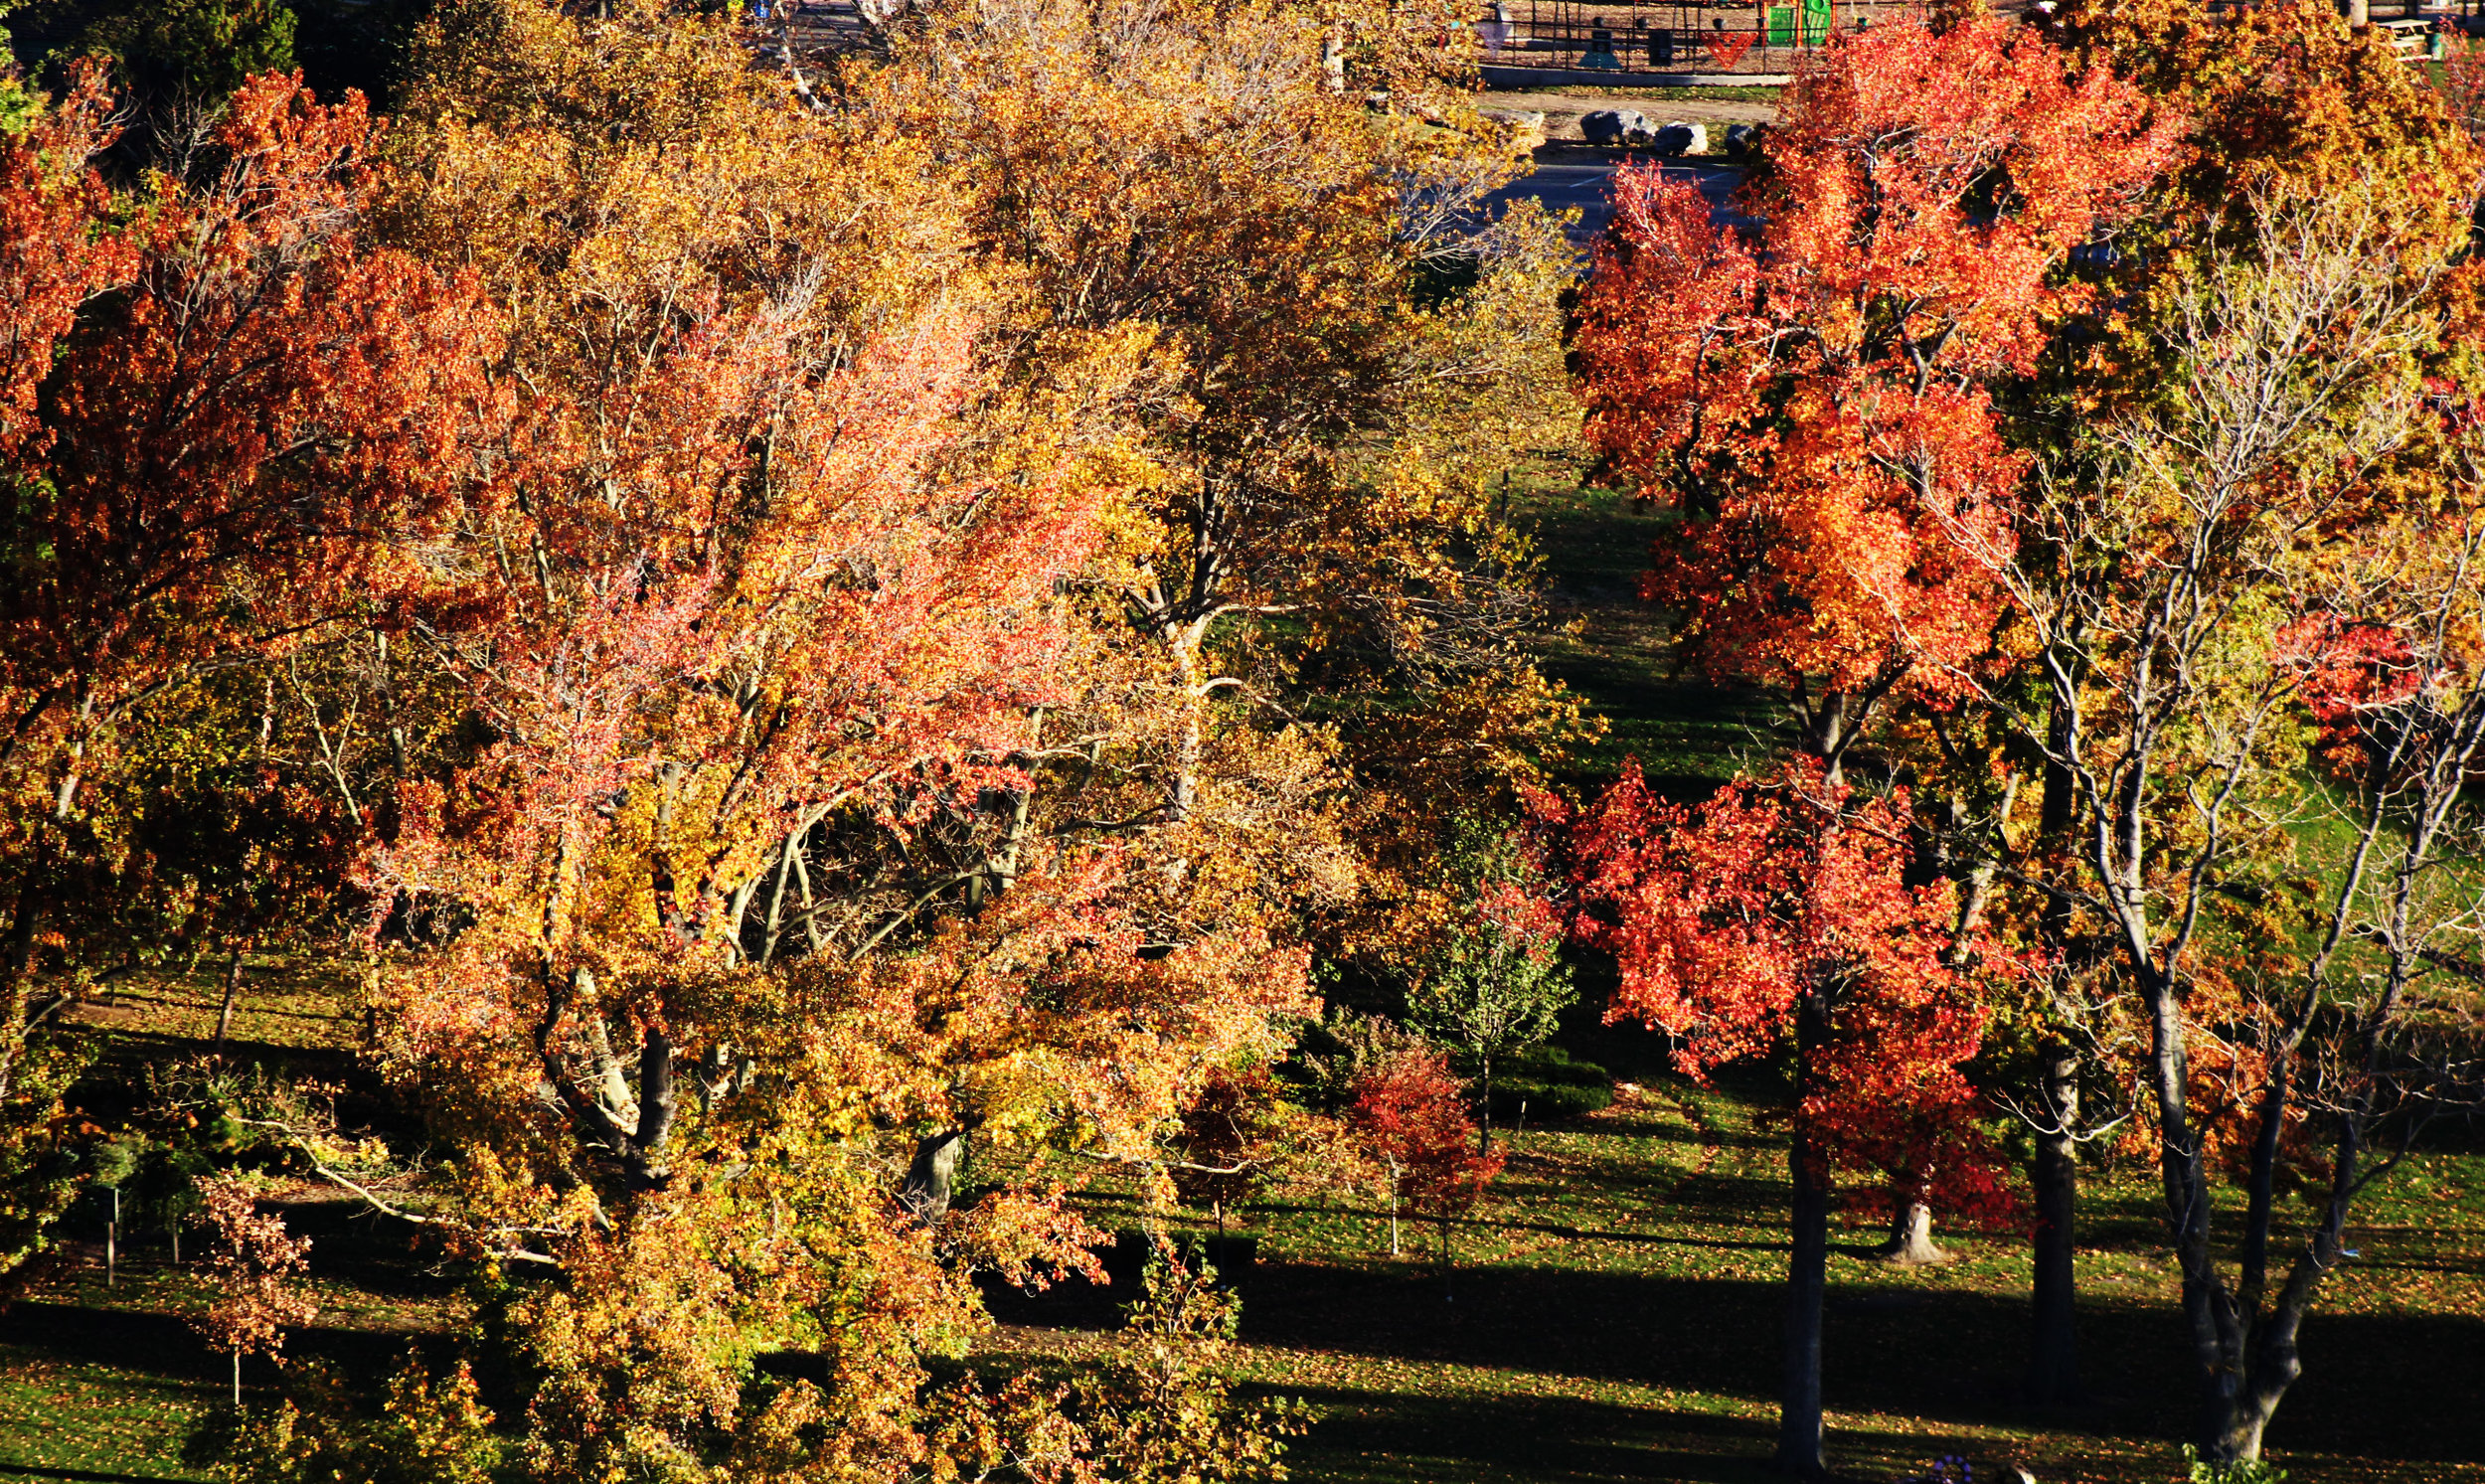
[[167, 54], [39, 1159], [1496, 982]]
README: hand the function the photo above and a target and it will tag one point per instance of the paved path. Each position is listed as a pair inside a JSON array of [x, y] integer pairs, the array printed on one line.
[[1581, 177]]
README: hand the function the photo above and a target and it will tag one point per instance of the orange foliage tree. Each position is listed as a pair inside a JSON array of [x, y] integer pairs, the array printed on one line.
[[255, 1263], [1830, 407], [701, 740], [1333, 351], [1819, 404], [2090, 556]]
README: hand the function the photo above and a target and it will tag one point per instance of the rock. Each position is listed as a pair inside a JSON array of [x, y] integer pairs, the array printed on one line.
[[1680, 138], [1616, 126], [1740, 137], [1526, 126]]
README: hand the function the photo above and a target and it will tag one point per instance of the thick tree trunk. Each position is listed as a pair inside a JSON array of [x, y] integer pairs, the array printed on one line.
[[1825, 732], [928, 1178], [2054, 1348], [1911, 1241], [2054, 1359], [657, 1099], [1807, 1276], [16, 962]]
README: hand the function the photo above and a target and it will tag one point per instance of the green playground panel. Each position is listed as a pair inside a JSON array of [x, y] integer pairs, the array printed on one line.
[[1812, 16]]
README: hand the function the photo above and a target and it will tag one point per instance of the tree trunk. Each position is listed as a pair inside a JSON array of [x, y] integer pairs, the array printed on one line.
[[1394, 1206], [2208, 1311], [232, 992], [2054, 1359], [657, 1099], [1807, 1273], [928, 1179], [1911, 1241], [1191, 728], [1484, 1122], [2054, 1351], [1825, 732], [236, 1381]]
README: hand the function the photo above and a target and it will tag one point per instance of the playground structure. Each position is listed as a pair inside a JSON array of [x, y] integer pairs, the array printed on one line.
[[1659, 35]]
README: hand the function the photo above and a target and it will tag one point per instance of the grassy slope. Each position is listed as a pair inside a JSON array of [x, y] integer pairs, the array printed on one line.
[[1615, 1311], [1688, 735], [107, 1380]]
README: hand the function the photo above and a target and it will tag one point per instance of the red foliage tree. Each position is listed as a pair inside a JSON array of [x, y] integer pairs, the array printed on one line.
[[1410, 1112], [1778, 915], [1818, 404], [225, 422]]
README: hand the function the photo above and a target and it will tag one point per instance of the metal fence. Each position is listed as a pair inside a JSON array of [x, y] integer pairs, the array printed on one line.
[[1629, 35]]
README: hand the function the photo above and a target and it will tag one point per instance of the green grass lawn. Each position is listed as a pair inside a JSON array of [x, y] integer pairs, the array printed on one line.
[[1617, 653]]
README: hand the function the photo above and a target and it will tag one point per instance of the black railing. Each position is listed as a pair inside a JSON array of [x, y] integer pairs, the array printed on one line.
[[1667, 36]]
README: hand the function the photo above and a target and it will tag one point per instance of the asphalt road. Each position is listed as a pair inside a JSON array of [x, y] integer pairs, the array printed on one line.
[[1584, 178]]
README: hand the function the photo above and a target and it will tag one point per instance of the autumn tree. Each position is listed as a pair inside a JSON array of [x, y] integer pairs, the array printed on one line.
[[255, 1264], [1163, 1408], [2168, 585], [1820, 404], [210, 408], [1311, 608], [1233, 1141], [1408, 1114], [695, 598], [430, 1431], [1778, 917], [1831, 405], [2286, 97], [697, 735]]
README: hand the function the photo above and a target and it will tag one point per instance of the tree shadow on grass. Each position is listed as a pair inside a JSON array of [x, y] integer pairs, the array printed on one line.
[[1383, 1437], [1422, 1227], [163, 1346], [2377, 1386]]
